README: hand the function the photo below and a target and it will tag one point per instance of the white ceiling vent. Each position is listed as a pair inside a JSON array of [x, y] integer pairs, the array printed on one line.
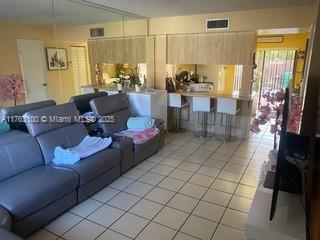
[[217, 24]]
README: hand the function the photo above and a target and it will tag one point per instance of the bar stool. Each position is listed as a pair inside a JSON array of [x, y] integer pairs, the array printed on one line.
[[201, 105], [228, 107], [175, 102]]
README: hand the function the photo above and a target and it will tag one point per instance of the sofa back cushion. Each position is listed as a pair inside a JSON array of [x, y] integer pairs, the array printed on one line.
[[13, 115], [47, 119], [13, 136], [61, 128], [110, 104], [65, 137], [19, 156], [116, 122], [112, 111], [82, 102]]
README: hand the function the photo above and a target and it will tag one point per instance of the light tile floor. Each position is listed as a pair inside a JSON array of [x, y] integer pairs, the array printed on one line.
[[192, 189]]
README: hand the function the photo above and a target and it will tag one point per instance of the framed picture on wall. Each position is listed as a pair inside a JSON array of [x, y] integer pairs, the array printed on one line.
[[57, 58]]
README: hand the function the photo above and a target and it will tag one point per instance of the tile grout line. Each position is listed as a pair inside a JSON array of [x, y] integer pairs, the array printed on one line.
[[165, 157], [234, 195]]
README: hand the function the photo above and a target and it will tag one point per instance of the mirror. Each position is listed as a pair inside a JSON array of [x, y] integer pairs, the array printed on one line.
[[48, 45]]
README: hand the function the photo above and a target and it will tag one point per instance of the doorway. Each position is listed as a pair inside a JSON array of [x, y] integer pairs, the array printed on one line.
[[79, 67], [275, 70], [33, 69]]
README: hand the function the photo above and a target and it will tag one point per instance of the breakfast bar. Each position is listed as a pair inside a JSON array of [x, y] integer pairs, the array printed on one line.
[[156, 104], [217, 119]]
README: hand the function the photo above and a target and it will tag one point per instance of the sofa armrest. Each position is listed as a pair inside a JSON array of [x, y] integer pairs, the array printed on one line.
[[5, 219], [6, 235], [125, 146]]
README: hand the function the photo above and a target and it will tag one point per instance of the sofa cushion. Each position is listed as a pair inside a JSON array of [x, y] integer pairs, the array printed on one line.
[[82, 102], [95, 165], [47, 119], [65, 137], [139, 137], [19, 156], [34, 189], [13, 136], [13, 115], [112, 111], [152, 141], [110, 104], [118, 124]]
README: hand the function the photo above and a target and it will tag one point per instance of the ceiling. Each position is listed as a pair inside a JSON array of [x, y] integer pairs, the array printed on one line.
[[79, 12], [67, 12], [162, 8]]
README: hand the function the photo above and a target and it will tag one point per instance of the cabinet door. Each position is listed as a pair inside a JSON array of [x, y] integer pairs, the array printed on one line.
[[114, 50], [118, 50], [135, 50], [93, 51], [211, 48]]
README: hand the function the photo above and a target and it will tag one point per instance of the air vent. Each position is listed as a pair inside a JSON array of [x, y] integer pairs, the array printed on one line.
[[217, 24], [96, 32]]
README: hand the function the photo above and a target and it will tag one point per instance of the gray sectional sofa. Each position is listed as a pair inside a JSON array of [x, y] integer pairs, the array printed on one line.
[[34, 191], [83, 106], [94, 172], [117, 106]]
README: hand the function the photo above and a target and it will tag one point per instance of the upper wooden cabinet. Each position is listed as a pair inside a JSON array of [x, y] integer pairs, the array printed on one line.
[[211, 48], [118, 50]]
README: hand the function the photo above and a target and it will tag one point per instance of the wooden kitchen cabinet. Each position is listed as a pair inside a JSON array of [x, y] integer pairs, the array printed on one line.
[[211, 48], [117, 50]]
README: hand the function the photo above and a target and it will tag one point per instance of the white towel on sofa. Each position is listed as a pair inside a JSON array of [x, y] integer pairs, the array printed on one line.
[[87, 147]]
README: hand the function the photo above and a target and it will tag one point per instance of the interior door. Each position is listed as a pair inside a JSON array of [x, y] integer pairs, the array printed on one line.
[[80, 68], [33, 68]]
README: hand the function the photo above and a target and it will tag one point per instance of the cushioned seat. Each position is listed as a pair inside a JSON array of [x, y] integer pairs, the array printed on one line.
[[95, 171], [152, 141], [96, 165], [32, 193], [36, 188], [117, 106]]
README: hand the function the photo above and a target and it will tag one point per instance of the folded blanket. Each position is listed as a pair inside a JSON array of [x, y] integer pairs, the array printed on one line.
[[139, 137], [140, 123], [4, 127], [88, 147]]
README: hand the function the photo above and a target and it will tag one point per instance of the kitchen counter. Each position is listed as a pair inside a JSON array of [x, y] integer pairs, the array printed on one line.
[[113, 88], [216, 121], [213, 94], [146, 103]]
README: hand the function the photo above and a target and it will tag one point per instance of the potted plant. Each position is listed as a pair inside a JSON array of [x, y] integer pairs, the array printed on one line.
[[270, 111], [120, 83], [12, 88], [135, 81]]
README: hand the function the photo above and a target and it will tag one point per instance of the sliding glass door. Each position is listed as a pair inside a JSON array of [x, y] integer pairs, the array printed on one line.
[[275, 69]]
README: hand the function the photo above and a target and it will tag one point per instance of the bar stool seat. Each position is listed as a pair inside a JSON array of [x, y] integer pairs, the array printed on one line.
[[228, 107], [175, 102], [203, 106]]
